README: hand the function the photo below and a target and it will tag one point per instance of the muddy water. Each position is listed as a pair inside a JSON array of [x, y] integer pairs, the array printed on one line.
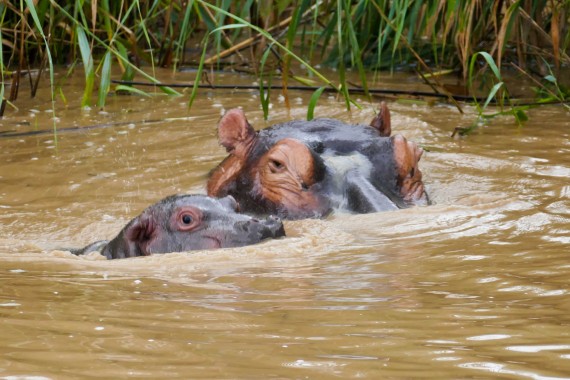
[[474, 286]]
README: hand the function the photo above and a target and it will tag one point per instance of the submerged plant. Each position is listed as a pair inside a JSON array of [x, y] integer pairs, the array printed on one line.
[[558, 92], [551, 90], [498, 94]]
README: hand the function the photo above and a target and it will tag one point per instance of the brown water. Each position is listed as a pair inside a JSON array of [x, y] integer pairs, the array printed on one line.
[[475, 286]]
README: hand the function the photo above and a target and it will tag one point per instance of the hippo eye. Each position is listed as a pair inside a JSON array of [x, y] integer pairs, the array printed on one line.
[[187, 219], [275, 166]]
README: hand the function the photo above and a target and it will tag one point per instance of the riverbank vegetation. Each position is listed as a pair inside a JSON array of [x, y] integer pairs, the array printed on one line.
[[475, 41]]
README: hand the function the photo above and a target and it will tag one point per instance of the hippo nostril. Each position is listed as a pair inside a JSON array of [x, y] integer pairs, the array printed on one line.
[[243, 225], [253, 220]]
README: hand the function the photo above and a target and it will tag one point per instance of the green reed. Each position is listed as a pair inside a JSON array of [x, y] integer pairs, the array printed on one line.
[[498, 92], [134, 37]]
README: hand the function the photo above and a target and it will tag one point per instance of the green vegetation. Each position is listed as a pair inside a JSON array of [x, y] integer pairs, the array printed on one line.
[[472, 39]]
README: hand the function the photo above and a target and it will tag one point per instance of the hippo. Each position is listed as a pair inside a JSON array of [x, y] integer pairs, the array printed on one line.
[[306, 169], [180, 223]]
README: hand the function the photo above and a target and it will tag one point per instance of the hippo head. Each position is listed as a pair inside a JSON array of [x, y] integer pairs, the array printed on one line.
[[190, 222], [304, 169], [284, 178]]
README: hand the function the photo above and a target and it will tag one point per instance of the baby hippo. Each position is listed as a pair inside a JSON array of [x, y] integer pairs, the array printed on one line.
[[182, 223]]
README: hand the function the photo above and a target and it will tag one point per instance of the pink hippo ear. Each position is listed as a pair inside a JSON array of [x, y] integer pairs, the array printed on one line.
[[234, 131], [237, 136], [382, 121], [407, 155]]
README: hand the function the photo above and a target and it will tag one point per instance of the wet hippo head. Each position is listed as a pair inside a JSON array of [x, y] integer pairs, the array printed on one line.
[[188, 222], [280, 179], [303, 169]]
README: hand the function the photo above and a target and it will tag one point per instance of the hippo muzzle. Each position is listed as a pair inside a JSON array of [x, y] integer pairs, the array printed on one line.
[[257, 230]]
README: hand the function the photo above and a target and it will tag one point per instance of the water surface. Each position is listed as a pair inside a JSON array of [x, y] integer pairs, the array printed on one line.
[[474, 286]]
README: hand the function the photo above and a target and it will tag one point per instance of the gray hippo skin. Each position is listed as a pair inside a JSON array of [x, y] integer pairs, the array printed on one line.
[[182, 223], [305, 169]]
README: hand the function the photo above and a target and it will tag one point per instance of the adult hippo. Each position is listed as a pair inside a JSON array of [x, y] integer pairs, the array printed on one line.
[[182, 223], [303, 169]]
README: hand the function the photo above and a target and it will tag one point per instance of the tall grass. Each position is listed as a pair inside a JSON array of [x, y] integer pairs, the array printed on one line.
[[134, 37]]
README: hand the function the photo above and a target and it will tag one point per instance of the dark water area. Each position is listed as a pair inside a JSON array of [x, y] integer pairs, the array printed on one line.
[[474, 286]]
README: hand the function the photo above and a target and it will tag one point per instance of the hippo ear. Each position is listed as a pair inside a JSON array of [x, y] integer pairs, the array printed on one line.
[[234, 130], [407, 155], [138, 233], [230, 203], [224, 176], [237, 136], [382, 121]]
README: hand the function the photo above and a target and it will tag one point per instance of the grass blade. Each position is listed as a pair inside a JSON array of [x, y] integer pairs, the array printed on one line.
[[313, 102], [186, 32], [506, 26], [291, 34], [491, 62], [133, 90], [128, 72], [32, 10], [492, 93], [142, 24], [357, 55], [400, 23], [198, 72], [340, 46], [263, 96], [2, 100], [87, 59], [105, 84]]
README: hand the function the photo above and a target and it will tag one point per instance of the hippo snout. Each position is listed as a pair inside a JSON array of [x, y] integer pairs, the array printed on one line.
[[275, 225], [254, 229]]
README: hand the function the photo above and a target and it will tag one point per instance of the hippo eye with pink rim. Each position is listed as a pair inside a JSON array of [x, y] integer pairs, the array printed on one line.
[[187, 219]]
